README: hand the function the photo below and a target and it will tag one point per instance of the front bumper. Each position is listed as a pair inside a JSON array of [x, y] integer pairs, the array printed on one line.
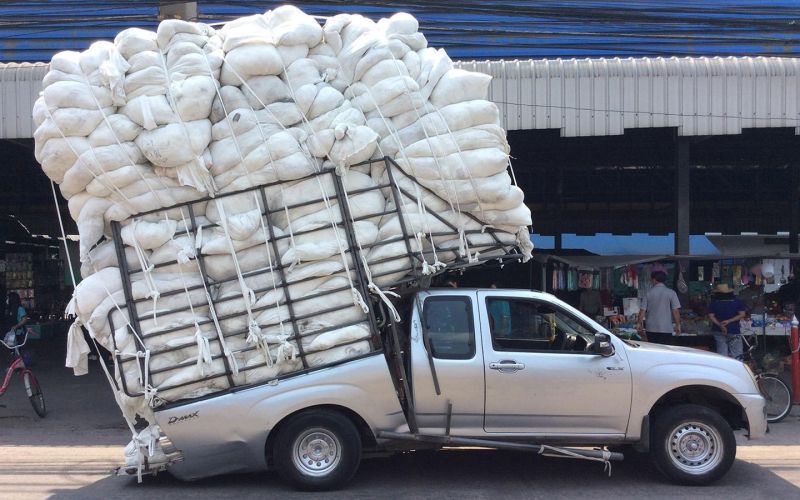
[[755, 409]]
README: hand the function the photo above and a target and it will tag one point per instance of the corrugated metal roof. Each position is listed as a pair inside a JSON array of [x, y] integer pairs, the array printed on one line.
[[33, 30], [699, 96], [20, 85], [581, 97]]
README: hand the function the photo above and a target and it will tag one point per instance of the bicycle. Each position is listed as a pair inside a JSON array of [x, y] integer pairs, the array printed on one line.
[[32, 387], [775, 391]]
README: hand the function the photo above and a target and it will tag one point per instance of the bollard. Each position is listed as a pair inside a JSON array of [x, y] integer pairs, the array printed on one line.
[[795, 362]]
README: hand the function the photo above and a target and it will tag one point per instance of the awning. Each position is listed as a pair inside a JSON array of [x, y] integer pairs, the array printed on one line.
[[627, 245]]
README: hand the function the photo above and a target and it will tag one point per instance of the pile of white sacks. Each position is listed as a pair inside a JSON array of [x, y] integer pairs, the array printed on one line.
[[196, 114]]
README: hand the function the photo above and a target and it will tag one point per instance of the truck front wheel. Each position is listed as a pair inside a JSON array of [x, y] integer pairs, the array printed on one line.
[[318, 450], [692, 444]]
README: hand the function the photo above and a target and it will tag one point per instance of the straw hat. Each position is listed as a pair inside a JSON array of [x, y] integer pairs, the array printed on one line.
[[723, 288]]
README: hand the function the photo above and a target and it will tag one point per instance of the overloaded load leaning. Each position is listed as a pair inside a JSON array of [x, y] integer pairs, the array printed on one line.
[[237, 216]]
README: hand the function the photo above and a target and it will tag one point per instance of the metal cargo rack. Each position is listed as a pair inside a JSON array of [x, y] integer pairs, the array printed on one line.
[[384, 332]]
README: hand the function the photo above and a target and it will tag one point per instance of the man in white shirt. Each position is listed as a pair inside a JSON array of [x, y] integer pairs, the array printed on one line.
[[659, 310]]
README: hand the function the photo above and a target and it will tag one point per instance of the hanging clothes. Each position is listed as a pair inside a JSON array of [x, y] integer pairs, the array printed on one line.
[[585, 280]]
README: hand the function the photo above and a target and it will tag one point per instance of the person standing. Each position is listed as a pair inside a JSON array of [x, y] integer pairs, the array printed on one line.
[[660, 308], [15, 316], [725, 311]]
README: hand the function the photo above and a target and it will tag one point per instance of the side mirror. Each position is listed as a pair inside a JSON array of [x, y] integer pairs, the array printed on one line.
[[603, 345]]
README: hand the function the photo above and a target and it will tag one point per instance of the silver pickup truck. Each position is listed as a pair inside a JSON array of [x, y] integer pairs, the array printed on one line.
[[492, 368]]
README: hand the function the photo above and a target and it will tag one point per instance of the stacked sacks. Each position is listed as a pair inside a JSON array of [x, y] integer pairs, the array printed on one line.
[[169, 89], [191, 113]]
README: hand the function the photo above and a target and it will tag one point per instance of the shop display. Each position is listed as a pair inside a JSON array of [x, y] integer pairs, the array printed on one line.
[[766, 287]]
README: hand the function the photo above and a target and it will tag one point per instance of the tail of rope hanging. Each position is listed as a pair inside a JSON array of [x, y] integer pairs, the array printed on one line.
[[463, 247], [255, 338], [286, 350], [204, 356], [71, 310], [147, 269], [150, 392], [380, 293], [229, 355]]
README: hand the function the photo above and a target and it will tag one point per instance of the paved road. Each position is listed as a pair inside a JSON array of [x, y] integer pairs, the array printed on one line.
[[69, 454]]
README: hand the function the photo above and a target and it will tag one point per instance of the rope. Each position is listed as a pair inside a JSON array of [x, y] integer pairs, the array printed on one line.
[[254, 336], [371, 286], [357, 299], [201, 174], [198, 241], [421, 209], [147, 270]]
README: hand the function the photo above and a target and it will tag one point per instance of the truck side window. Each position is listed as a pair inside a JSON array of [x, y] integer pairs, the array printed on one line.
[[526, 325], [448, 324]]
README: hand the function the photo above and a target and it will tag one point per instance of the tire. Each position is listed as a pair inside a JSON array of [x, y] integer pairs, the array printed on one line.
[[692, 444], [777, 395], [325, 435], [35, 395]]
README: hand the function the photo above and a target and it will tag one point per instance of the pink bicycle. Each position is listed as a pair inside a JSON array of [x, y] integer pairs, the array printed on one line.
[[32, 386]]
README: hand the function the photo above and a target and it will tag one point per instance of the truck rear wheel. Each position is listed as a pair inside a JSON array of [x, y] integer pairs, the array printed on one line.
[[692, 444], [318, 450]]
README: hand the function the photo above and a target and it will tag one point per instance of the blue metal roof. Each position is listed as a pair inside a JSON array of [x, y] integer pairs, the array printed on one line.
[[35, 30]]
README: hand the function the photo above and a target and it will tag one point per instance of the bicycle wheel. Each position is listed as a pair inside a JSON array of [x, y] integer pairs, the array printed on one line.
[[35, 395], [778, 396]]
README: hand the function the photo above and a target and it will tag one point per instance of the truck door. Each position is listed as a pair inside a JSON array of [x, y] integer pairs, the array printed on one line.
[[448, 324], [541, 374]]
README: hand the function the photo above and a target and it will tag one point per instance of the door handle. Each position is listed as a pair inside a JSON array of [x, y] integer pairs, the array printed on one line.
[[615, 368], [506, 366]]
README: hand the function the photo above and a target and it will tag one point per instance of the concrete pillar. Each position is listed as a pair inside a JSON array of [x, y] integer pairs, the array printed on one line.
[[682, 196]]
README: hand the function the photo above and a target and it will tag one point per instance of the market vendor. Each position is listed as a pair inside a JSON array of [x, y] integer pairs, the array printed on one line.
[[724, 312]]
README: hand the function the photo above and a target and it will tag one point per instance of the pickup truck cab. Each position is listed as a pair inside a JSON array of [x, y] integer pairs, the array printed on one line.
[[478, 366]]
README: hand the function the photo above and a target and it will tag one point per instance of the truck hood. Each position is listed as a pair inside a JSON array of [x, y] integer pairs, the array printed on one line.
[[647, 357], [651, 347]]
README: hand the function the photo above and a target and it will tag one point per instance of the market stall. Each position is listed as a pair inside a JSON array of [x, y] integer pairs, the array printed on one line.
[[32, 267], [611, 288]]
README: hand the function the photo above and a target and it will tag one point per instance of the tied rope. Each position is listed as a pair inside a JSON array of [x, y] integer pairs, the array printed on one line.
[[198, 241], [147, 270], [71, 309], [204, 355], [421, 209], [371, 286], [285, 350], [254, 336]]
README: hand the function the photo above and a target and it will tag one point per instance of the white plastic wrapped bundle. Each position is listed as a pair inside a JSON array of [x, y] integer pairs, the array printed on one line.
[[182, 124]]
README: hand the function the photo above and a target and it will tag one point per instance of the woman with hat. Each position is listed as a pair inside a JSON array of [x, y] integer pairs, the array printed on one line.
[[725, 311]]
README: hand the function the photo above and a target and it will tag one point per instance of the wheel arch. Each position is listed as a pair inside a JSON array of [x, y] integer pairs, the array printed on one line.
[[364, 430], [711, 397]]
